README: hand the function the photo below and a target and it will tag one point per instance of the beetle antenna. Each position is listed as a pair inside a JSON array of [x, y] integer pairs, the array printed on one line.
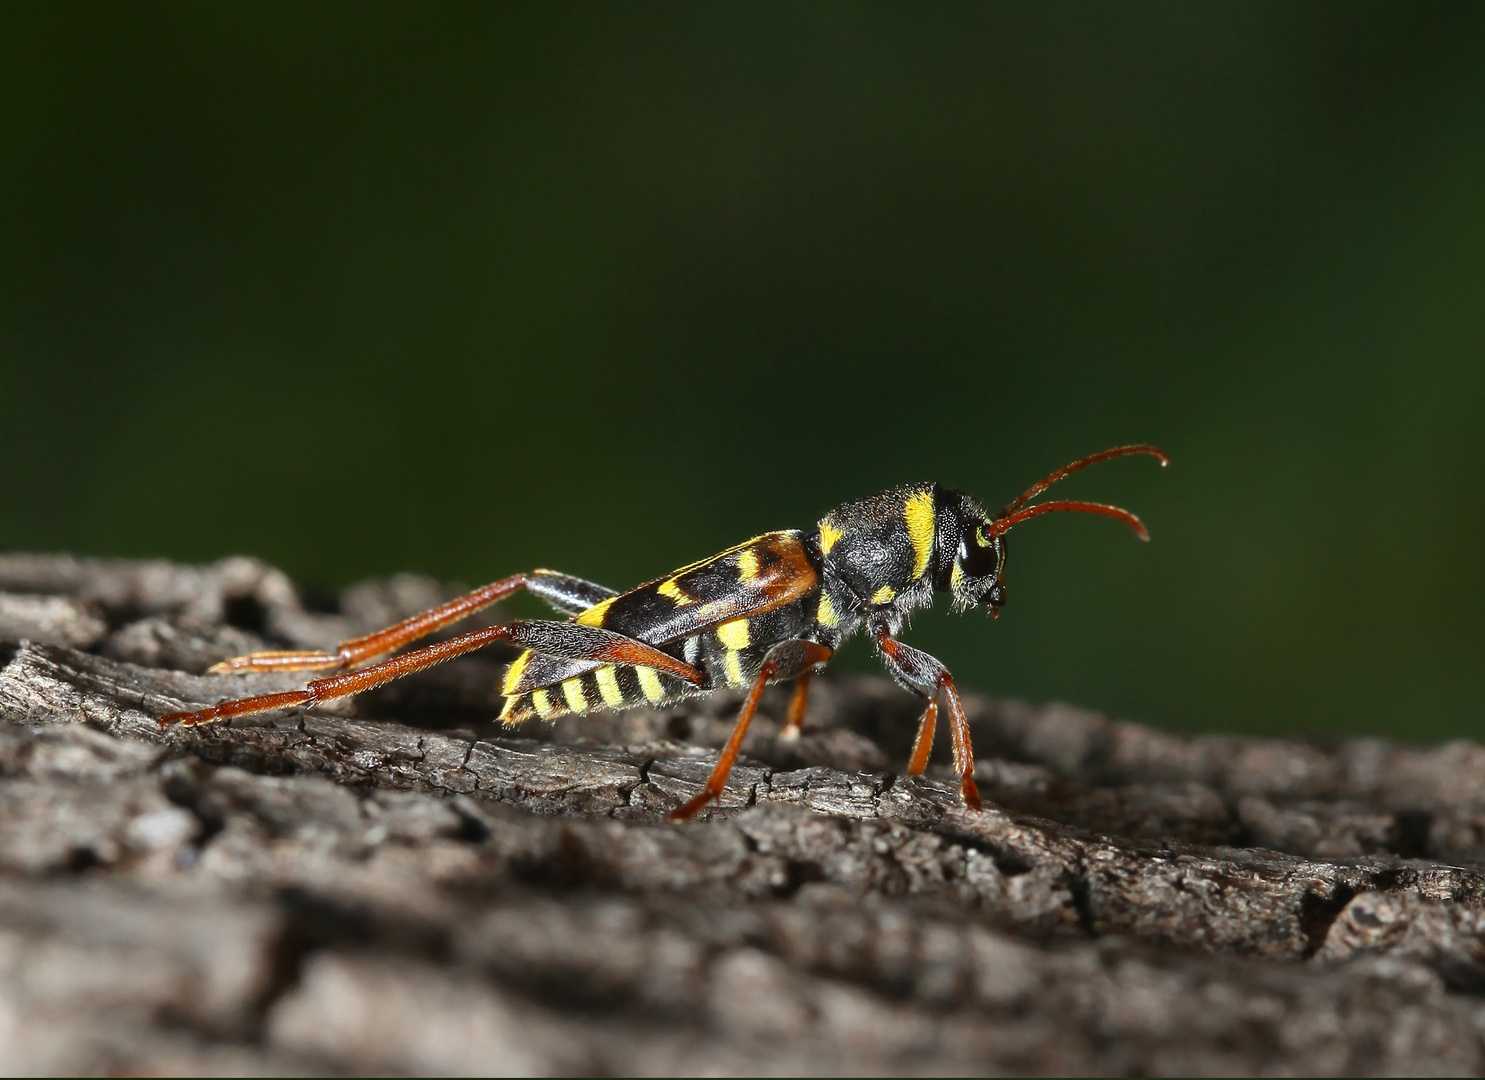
[[1082, 463], [1004, 523]]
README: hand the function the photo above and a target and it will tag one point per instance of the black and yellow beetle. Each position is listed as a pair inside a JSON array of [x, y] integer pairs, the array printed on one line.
[[776, 607]]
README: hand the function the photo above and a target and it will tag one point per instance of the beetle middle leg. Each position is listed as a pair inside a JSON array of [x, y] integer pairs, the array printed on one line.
[[923, 674], [569, 595], [797, 701], [789, 657]]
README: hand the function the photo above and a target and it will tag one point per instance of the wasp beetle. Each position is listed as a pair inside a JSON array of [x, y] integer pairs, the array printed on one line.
[[776, 607]]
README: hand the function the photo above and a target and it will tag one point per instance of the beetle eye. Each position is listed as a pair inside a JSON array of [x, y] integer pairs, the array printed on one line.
[[978, 556]]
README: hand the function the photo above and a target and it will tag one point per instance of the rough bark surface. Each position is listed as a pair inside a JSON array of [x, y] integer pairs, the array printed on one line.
[[397, 885]]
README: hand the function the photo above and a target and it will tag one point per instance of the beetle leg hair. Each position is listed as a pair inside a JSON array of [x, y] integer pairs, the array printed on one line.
[[569, 595], [795, 657], [925, 675]]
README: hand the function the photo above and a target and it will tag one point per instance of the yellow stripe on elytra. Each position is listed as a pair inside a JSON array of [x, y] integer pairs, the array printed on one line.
[[683, 571], [883, 595], [510, 707], [826, 615], [594, 615], [829, 534], [572, 690], [747, 566], [918, 513], [608, 686], [649, 682], [513, 673], [734, 634], [543, 703], [734, 668], [670, 590]]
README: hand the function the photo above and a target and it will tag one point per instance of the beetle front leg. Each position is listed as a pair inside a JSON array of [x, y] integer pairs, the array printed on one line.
[[917, 670]]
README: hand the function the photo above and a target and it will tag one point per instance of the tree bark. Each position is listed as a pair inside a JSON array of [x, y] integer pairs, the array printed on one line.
[[399, 885]]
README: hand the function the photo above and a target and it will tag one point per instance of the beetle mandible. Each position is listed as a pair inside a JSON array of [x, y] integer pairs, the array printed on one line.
[[776, 607]]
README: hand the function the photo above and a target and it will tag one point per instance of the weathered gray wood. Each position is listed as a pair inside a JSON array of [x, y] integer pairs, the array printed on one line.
[[343, 891]]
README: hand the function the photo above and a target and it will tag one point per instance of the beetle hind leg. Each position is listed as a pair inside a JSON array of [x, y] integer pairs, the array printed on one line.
[[569, 641], [569, 595]]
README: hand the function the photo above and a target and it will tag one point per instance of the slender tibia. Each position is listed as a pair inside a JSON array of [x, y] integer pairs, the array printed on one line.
[[923, 744], [964, 755], [285, 660], [567, 640], [797, 702]]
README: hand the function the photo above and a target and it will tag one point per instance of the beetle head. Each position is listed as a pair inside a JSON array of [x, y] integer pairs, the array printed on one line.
[[973, 554], [975, 542]]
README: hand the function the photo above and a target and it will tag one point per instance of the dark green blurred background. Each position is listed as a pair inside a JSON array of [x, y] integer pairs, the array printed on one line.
[[471, 289]]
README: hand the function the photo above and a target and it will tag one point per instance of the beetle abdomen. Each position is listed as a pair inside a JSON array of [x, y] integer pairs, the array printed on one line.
[[730, 656]]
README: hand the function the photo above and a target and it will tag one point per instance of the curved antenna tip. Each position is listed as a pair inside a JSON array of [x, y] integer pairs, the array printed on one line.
[[1137, 448], [1005, 523]]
